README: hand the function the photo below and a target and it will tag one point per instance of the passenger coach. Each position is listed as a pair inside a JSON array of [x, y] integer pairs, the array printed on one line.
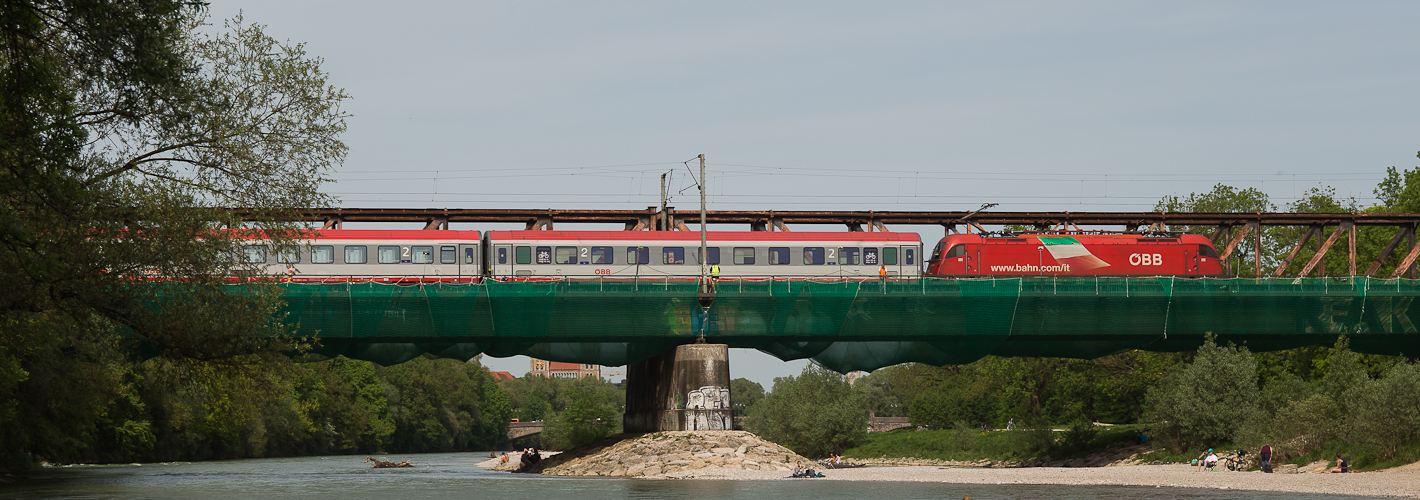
[[373, 255], [740, 254]]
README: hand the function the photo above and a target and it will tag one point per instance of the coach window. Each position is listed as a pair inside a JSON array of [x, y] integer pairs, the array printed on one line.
[[848, 256], [468, 255], [566, 255], [870, 256], [254, 254], [813, 256], [890, 256], [713, 252], [638, 255], [907, 256], [423, 255], [602, 255], [288, 255], [744, 256], [524, 255], [544, 255], [356, 254], [449, 255], [502, 256], [388, 254], [778, 255], [673, 255], [322, 254]]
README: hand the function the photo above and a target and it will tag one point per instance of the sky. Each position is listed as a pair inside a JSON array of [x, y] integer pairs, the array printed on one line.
[[1037, 106]]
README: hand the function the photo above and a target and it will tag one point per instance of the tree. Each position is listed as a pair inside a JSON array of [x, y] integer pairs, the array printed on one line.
[[1316, 200], [814, 414], [1399, 192], [123, 129], [1224, 199], [1205, 401], [585, 421], [744, 394]]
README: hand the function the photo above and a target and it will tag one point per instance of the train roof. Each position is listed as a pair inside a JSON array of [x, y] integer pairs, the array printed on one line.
[[710, 236], [387, 234], [1083, 237]]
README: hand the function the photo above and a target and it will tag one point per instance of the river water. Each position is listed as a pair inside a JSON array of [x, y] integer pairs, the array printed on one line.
[[455, 476]]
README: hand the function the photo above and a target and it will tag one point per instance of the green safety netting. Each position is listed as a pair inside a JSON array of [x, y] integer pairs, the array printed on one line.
[[852, 325]]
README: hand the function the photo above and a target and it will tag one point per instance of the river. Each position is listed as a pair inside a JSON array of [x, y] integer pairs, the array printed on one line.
[[455, 476]]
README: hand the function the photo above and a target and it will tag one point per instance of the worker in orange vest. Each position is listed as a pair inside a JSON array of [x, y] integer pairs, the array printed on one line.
[[882, 273]]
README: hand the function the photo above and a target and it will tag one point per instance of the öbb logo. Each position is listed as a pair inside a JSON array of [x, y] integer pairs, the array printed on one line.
[[1146, 259]]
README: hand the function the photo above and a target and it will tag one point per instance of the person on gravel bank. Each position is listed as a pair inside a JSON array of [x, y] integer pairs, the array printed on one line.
[[1341, 465], [1206, 459], [1266, 456]]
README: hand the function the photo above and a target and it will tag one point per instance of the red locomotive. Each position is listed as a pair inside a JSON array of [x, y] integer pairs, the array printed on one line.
[[1074, 254]]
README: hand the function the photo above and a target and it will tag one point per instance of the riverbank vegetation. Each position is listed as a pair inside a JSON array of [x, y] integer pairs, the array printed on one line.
[[574, 411], [1307, 403], [127, 128], [163, 410]]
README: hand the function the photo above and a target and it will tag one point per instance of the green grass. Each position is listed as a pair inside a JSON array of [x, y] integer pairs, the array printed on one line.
[[971, 444], [1358, 458]]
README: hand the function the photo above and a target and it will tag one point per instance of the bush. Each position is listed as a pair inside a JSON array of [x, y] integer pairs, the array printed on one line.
[[586, 421], [1386, 412], [815, 414], [1078, 437], [1205, 401]]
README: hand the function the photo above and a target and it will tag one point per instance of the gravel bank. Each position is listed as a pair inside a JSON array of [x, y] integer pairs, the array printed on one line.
[[1399, 482], [637, 455]]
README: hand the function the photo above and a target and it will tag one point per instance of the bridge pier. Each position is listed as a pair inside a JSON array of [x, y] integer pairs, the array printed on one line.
[[682, 389]]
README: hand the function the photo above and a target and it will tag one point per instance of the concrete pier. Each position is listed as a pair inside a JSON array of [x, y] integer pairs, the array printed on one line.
[[682, 389]]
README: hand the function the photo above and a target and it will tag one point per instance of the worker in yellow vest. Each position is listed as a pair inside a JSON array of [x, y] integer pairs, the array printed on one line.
[[714, 272]]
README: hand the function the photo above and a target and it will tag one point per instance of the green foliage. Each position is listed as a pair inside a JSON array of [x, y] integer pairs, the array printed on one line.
[[965, 443], [125, 127], [1385, 414], [1372, 416], [1205, 401], [814, 414], [172, 410], [882, 396], [996, 390], [1399, 192], [1225, 199], [744, 394], [575, 411], [585, 421], [1222, 199]]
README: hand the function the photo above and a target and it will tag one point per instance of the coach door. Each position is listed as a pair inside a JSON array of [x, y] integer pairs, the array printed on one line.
[[502, 260], [469, 262]]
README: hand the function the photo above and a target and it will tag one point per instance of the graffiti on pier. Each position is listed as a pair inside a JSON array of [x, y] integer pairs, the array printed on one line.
[[708, 408], [708, 398]]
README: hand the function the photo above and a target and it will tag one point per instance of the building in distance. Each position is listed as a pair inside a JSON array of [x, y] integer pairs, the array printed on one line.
[[544, 368]]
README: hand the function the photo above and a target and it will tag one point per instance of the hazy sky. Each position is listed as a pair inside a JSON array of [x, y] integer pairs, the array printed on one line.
[[859, 105]]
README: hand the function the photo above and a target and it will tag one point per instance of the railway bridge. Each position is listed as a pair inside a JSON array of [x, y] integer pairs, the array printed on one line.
[[863, 325]]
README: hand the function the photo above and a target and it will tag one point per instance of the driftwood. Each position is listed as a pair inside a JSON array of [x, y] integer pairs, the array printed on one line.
[[382, 464]]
